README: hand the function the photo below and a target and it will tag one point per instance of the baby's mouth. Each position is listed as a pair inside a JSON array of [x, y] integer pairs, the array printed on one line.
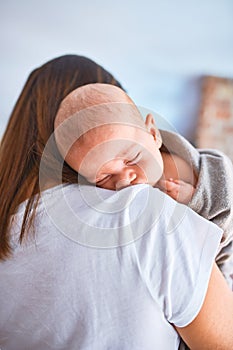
[[124, 183]]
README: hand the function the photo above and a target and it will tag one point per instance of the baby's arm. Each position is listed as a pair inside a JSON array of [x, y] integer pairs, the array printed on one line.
[[179, 179], [179, 190]]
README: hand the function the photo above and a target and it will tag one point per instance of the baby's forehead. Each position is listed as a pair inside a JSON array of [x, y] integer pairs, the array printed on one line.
[[112, 130], [112, 140]]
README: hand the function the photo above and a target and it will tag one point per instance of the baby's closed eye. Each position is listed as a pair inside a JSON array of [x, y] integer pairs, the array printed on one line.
[[134, 160], [103, 180]]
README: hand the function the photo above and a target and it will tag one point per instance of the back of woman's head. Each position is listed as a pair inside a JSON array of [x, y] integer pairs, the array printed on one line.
[[29, 128], [46, 87]]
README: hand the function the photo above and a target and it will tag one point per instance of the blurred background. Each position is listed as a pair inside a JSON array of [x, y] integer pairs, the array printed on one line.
[[172, 57]]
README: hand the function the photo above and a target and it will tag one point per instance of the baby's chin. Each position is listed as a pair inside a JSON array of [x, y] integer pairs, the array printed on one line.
[[121, 186], [152, 183]]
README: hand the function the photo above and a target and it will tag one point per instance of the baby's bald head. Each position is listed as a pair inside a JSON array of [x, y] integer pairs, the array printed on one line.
[[88, 97], [89, 107]]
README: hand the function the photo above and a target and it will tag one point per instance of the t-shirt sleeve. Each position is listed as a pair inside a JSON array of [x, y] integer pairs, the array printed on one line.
[[176, 257]]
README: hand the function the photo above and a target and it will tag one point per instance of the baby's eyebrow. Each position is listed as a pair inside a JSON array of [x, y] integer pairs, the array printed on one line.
[[126, 152]]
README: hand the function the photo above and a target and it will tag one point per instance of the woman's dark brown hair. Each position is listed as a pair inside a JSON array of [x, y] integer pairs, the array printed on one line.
[[30, 126]]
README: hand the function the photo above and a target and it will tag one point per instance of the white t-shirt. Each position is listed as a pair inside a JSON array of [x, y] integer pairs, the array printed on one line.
[[105, 270]]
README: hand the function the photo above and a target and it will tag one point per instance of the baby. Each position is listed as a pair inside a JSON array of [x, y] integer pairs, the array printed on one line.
[[100, 133], [118, 148]]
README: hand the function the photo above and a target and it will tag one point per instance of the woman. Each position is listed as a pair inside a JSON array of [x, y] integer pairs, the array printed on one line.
[[59, 290]]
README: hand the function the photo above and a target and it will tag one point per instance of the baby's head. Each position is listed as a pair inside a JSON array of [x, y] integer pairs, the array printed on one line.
[[101, 134]]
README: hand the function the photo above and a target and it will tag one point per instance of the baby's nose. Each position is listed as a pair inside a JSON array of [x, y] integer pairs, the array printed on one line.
[[125, 178]]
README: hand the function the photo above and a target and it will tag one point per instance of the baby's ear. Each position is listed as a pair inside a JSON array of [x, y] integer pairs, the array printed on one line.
[[153, 130]]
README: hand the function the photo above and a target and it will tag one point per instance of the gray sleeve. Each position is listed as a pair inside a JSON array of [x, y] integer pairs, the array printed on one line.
[[213, 199]]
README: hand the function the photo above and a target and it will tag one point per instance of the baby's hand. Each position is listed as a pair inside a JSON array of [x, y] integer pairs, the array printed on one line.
[[179, 190]]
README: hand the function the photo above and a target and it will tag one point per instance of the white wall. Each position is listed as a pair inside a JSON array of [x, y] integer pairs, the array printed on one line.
[[157, 49]]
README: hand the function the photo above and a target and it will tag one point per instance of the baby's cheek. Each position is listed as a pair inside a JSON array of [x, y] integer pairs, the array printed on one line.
[[153, 171]]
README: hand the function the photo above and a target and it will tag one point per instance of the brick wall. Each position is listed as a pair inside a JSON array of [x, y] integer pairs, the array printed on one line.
[[215, 121]]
